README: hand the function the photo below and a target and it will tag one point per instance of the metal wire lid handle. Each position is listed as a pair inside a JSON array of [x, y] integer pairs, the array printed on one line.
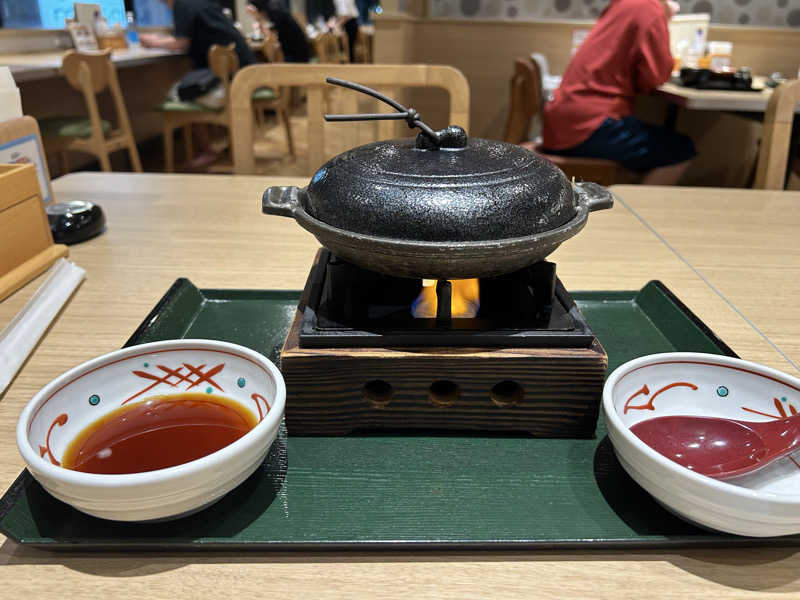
[[409, 115]]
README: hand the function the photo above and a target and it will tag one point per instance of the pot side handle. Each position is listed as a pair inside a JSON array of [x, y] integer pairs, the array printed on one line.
[[281, 200], [595, 195]]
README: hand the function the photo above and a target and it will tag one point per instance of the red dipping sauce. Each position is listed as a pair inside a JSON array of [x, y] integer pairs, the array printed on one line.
[[158, 433]]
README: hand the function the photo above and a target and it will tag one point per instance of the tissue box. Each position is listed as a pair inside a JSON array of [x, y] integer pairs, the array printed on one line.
[[26, 244], [10, 102]]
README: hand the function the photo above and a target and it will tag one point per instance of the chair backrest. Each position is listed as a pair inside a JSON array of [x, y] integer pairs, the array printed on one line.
[[362, 49], [387, 78], [301, 19], [777, 136], [343, 46], [271, 50], [328, 47], [99, 66], [223, 62], [91, 73], [526, 99]]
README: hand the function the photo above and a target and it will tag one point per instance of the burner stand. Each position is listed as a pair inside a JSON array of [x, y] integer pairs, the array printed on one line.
[[546, 392], [352, 307]]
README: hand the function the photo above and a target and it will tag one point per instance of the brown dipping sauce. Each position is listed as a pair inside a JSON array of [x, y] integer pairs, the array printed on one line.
[[160, 432]]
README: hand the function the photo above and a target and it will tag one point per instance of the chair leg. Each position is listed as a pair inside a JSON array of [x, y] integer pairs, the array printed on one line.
[[287, 126], [133, 156], [64, 159], [105, 162], [188, 142], [169, 149]]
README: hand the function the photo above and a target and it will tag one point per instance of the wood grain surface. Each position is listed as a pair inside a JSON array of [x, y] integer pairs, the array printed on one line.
[[730, 256]]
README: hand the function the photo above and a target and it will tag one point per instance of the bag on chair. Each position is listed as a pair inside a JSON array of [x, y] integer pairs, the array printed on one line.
[[195, 84]]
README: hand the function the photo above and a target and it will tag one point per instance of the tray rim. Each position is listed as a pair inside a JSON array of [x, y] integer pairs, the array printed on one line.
[[707, 540]]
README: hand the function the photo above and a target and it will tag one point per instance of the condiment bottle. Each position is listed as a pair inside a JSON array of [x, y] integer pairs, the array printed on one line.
[[721, 54]]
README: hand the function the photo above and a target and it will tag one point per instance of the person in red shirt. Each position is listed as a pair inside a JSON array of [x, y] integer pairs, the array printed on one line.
[[625, 54]]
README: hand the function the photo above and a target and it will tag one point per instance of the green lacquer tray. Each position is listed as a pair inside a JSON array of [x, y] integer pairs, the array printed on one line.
[[402, 491]]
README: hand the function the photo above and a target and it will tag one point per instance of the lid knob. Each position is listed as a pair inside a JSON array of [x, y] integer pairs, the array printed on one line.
[[452, 138]]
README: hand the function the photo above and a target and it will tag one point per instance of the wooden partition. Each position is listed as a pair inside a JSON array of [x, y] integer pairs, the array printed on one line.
[[386, 78]]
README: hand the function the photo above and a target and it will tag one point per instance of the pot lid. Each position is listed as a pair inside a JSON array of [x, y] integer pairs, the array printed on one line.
[[485, 190], [443, 186]]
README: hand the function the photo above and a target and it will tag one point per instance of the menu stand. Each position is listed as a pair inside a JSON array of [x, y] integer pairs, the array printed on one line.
[[26, 243]]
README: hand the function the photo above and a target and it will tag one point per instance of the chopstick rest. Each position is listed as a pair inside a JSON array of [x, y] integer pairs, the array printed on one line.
[[25, 330]]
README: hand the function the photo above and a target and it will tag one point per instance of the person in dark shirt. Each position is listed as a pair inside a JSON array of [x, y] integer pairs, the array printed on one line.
[[318, 12], [291, 36], [199, 24]]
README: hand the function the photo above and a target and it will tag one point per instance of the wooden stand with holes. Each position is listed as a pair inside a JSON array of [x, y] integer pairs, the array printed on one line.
[[548, 392], [26, 244]]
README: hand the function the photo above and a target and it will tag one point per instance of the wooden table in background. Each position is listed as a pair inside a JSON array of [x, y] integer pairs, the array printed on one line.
[[726, 127], [41, 65], [722, 100], [730, 256]]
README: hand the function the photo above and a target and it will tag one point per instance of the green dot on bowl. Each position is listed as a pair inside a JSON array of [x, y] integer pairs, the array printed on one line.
[[94, 399], [722, 391], [146, 364], [209, 390], [240, 382]]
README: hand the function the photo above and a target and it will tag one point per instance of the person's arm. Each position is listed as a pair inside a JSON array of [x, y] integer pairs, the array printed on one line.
[[183, 14], [167, 42], [655, 62]]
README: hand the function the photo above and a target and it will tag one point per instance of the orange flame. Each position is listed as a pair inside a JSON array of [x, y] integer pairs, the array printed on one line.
[[464, 302]]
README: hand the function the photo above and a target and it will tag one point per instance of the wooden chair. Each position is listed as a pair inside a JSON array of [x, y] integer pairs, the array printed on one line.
[[526, 103], [343, 44], [331, 47], [282, 96], [91, 73], [776, 139], [387, 78], [362, 49], [301, 19], [224, 63]]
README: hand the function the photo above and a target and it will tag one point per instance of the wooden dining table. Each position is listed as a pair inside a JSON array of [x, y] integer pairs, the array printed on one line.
[[719, 100], [32, 66], [730, 255], [726, 126]]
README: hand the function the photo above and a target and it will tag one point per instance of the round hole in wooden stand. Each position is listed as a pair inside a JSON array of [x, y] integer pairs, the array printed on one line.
[[377, 392], [443, 393], [506, 393]]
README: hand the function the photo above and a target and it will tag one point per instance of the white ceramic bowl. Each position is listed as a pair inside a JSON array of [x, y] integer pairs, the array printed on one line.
[[763, 503], [82, 395]]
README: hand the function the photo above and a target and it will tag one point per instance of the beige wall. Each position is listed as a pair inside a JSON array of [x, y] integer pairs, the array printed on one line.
[[761, 13]]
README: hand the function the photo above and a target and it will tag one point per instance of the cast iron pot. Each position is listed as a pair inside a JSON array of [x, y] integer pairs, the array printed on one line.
[[453, 209]]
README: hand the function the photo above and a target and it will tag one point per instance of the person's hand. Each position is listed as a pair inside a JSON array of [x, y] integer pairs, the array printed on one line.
[[672, 7], [149, 40]]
